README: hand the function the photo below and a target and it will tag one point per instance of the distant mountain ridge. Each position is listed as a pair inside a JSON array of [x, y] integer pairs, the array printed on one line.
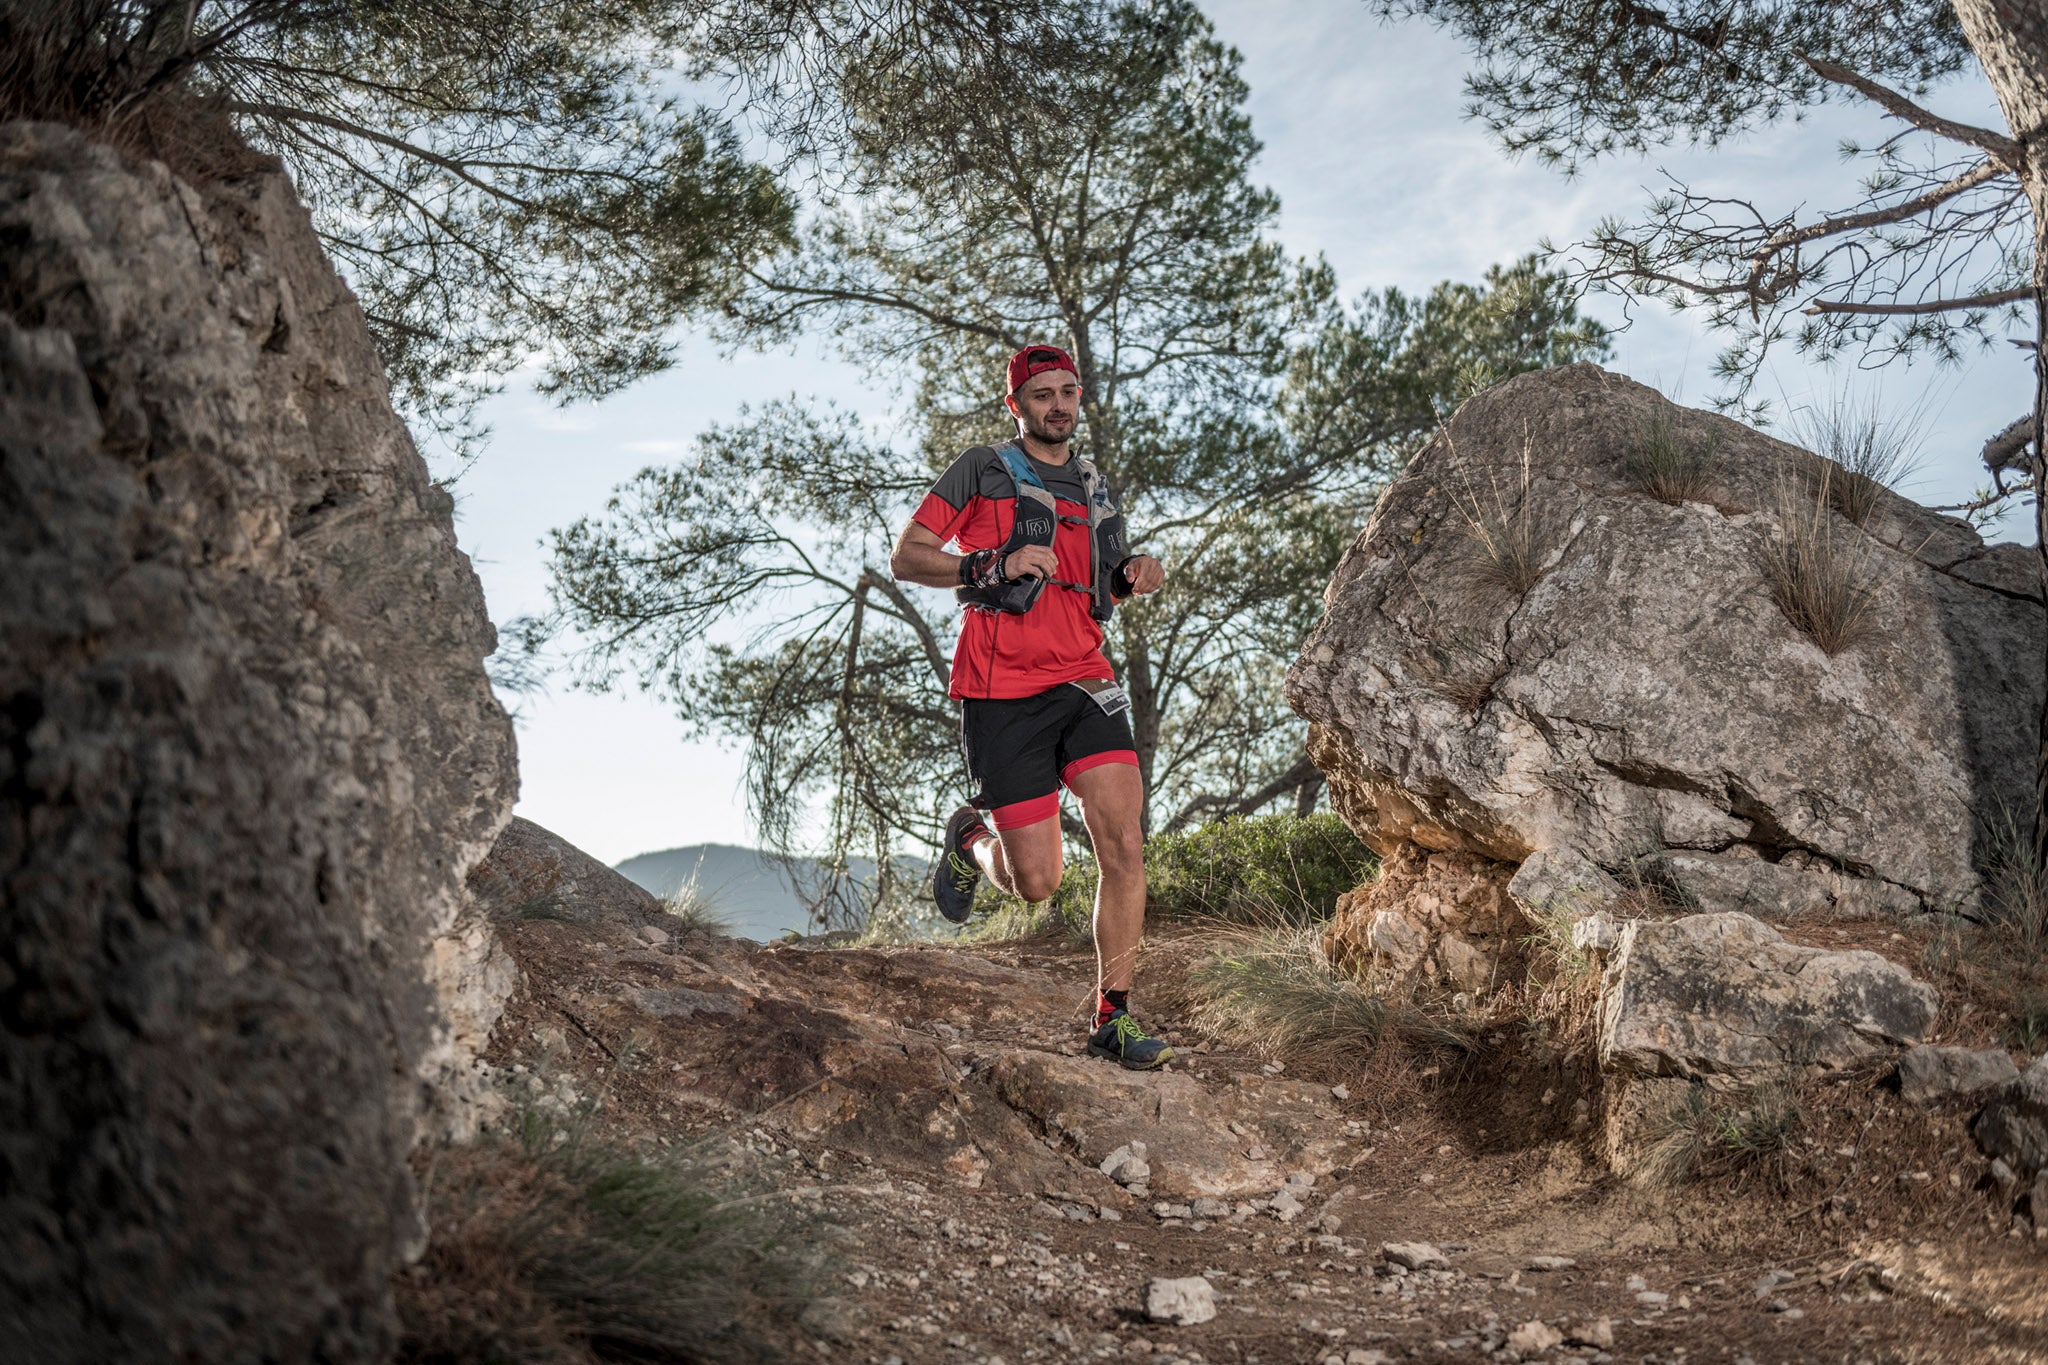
[[760, 895]]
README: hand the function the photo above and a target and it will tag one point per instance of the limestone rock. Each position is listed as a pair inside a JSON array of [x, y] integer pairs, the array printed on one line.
[[1927, 1073], [1645, 694], [1182, 1302], [2014, 1127], [1562, 884], [1533, 1338], [1127, 1165], [1184, 1125], [1430, 920], [247, 754], [533, 873], [1414, 1255], [1725, 995]]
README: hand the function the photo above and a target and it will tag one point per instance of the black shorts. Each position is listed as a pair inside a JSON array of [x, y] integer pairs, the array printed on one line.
[[1021, 750]]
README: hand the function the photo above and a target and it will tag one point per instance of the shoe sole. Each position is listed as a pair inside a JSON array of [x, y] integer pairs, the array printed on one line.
[[1165, 1055]]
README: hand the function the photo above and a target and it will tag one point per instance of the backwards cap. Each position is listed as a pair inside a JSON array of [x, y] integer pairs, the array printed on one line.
[[1037, 360]]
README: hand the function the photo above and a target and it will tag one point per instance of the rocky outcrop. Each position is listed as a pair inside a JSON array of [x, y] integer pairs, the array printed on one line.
[[247, 752], [1644, 694], [534, 873], [1430, 922], [1724, 996], [1199, 1141]]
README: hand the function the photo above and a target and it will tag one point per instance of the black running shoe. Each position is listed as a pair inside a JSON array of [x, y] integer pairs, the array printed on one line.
[[1123, 1042], [955, 878]]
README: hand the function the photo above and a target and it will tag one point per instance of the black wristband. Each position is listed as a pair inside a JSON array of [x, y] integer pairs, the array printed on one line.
[[1120, 584], [982, 569]]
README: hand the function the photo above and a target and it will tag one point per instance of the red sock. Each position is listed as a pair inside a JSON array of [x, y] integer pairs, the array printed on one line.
[[1108, 1003]]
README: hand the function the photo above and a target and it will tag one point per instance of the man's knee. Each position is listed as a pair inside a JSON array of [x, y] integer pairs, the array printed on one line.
[[1120, 849], [1037, 882]]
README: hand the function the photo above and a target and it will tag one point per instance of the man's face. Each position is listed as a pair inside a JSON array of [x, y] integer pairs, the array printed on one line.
[[1047, 405]]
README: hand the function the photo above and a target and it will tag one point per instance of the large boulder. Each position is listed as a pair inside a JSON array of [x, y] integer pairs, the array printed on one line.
[[1645, 696], [1724, 997], [247, 753]]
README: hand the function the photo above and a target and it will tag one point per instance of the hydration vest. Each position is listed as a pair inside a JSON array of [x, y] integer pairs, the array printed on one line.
[[1035, 520]]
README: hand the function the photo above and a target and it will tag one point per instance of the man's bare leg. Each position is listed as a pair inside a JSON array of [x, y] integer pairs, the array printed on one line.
[[1112, 799], [1026, 861]]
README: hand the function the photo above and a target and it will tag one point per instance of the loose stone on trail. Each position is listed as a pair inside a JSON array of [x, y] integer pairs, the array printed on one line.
[[1182, 1302], [1414, 1255]]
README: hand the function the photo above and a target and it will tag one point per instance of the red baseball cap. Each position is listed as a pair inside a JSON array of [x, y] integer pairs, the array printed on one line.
[[1037, 360]]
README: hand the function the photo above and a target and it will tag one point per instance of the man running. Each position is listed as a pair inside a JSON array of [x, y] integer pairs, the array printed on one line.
[[1044, 563]]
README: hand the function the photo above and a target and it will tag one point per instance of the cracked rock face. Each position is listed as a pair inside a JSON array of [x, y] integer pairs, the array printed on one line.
[[1645, 694], [1725, 996], [247, 751]]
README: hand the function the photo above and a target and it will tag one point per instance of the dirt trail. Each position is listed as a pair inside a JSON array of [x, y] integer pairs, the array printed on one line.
[[932, 1106]]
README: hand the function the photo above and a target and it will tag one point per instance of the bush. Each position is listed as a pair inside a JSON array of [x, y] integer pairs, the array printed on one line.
[[552, 1245], [1259, 869]]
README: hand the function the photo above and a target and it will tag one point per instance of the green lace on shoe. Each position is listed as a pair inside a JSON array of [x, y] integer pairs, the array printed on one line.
[[1122, 1041], [966, 872]]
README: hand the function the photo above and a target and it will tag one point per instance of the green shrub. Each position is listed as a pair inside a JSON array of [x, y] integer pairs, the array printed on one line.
[[1259, 869]]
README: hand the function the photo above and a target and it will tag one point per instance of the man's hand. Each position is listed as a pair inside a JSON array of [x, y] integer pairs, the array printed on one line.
[[1035, 561], [1144, 573]]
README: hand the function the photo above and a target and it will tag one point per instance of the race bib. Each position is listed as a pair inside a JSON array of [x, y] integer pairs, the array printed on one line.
[[1105, 693]]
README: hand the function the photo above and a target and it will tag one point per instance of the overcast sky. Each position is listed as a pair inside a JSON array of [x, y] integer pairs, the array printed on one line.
[[1376, 169]]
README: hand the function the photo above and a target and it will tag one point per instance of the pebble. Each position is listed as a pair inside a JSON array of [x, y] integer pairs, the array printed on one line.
[[653, 934], [1208, 1207], [1182, 1302], [1127, 1165], [1597, 1332], [1533, 1338], [1413, 1255], [1550, 1263], [1652, 1298], [1770, 1280], [1338, 1092]]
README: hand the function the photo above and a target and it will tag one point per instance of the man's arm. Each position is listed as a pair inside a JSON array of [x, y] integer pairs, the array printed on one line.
[[919, 557]]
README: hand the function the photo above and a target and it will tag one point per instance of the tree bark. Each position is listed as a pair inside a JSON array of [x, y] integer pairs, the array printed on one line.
[[2010, 38]]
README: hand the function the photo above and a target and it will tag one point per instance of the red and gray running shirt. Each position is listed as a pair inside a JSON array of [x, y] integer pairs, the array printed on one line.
[[1057, 641]]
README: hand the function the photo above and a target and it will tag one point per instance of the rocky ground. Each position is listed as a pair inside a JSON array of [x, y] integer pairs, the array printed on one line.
[[932, 1111]]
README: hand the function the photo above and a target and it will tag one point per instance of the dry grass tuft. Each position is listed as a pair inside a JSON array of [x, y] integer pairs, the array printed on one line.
[[1708, 1135], [552, 1245], [1871, 451], [1668, 463], [1650, 889], [1273, 992], [697, 909], [2001, 964], [1821, 572], [1562, 998], [1504, 545]]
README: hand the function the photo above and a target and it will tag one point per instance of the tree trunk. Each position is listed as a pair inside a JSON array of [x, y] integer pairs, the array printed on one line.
[[2010, 38]]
